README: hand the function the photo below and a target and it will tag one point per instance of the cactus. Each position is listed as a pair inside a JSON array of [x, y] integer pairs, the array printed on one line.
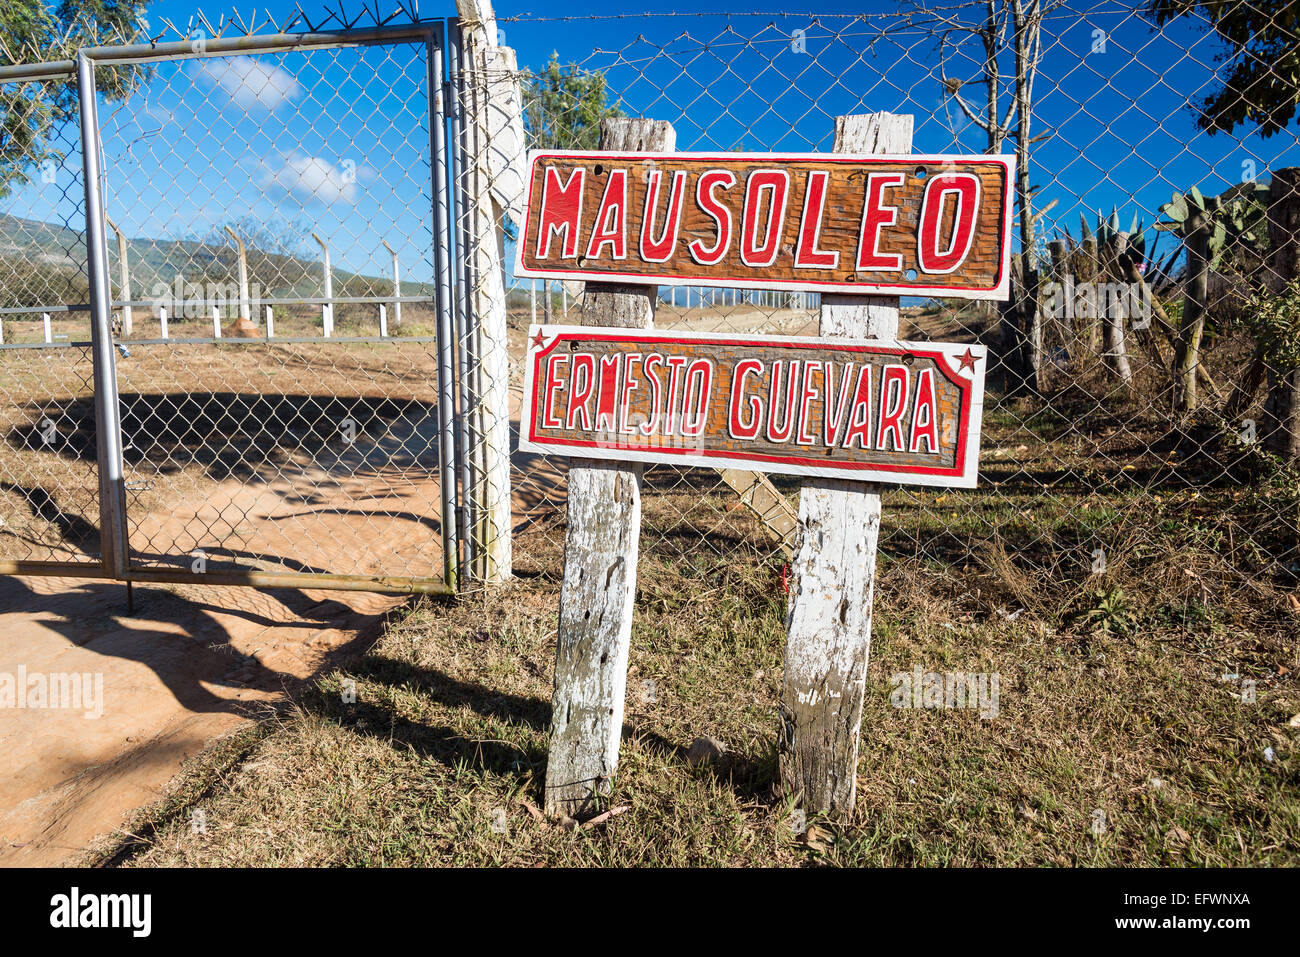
[[1210, 228], [1228, 225]]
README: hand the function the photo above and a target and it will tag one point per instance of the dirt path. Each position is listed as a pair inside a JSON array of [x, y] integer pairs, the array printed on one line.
[[194, 662]]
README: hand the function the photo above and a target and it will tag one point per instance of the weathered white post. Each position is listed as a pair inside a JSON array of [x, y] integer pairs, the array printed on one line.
[[600, 557], [829, 621], [397, 284], [162, 320], [245, 307], [493, 122], [327, 310], [124, 278]]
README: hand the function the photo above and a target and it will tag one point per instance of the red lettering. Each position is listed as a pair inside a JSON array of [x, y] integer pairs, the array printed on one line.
[[893, 400], [656, 393], [860, 416], [704, 198], [553, 385], [661, 249], [611, 219], [775, 400], [801, 436], [580, 395], [875, 216], [776, 182], [625, 395], [675, 364], [927, 428], [695, 401], [561, 207], [814, 208], [966, 188], [831, 421], [608, 398], [740, 429]]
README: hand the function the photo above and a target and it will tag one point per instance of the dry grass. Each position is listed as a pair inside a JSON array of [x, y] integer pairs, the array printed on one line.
[[1118, 740]]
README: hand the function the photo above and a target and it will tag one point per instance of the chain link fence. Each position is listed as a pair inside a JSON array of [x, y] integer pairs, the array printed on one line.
[[1141, 412], [272, 255], [1142, 402]]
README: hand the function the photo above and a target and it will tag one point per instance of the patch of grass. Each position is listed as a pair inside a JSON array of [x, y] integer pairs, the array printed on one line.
[[1111, 745]]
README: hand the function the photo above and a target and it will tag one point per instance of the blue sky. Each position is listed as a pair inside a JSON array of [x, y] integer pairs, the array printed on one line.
[[338, 141]]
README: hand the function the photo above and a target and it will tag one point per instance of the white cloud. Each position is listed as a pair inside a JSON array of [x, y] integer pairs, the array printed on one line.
[[251, 82], [314, 179]]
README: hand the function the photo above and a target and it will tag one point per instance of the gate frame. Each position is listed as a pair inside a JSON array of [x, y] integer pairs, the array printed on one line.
[[115, 562]]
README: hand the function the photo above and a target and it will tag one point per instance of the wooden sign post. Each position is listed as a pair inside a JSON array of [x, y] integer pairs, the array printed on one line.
[[828, 629], [846, 408], [600, 553]]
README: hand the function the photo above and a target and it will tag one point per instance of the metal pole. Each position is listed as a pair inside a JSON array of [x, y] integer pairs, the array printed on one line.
[[463, 273], [473, 453], [442, 255], [108, 425]]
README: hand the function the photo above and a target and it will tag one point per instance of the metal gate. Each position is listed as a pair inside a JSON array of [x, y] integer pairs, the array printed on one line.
[[226, 405]]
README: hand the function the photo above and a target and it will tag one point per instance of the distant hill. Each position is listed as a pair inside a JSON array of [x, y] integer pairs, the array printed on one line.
[[45, 264]]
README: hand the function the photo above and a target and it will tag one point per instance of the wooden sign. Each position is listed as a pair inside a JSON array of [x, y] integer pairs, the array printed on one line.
[[884, 411], [862, 224]]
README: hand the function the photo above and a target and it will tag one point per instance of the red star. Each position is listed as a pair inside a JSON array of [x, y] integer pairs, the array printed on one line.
[[539, 340], [968, 360]]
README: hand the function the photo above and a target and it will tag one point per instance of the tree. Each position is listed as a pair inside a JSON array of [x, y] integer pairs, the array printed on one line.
[[1263, 41], [1023, 19], [565, 105], [32, 31]]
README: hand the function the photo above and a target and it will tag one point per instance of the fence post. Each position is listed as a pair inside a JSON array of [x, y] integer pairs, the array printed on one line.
[[327, 310], [833, 574], [108, 426], [124, 278], [493, 127], [446, 344], [1281, 418], [600, 555], [397, 284], [245, 307]]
